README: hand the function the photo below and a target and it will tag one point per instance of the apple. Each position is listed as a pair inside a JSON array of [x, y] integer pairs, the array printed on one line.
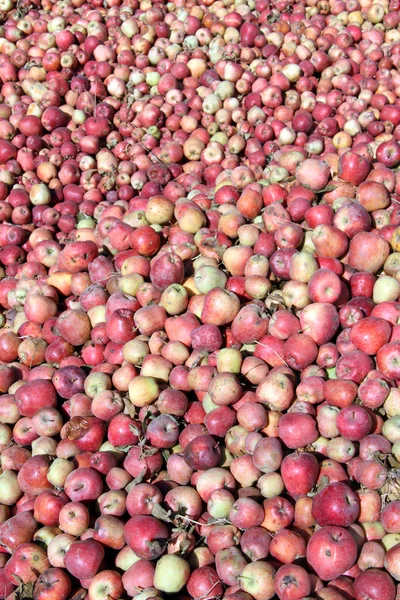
[[146, 536], [368, 252], [333, 543], [390, 517], [354, 423], [300, 351], [27, 562], [48, 505], [278, 513], [387, 360], [202, 452], [83, 558], [268, 454], [320, 321], [171, 574], [53, 583], [297, 430], [83, 484], [17, 530], [255, 543], [32, 477], [372, 556], [74, 518], [354, 218], [370, 334], [212, 480], [299, 473], [229, 564], [353, 168], [246, 513], [392, 561], [139, 575], [107, 582], [375, 584], [292, 582], [32, 396], [336, 504], [258, 580], [287, 546], [354, 365]]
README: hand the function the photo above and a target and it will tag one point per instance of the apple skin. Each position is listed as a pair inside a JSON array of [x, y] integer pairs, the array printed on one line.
[[354, 423], [340, 392], [139, 575], [83, 484], [34, 395], [368, 252], [300, 351], [17, 530], [279, 513], [374, 584], [6, 588], [26, 563], [299, 473], [32, 477], [53, 584], [292, 582], [246, 513], [83, 558], [77, 256], [171, 574], [324, 286], [331, 551], [255, 543], [297, 430], [336, 504], [354, 365], [146, 536], [47, 507], [107, 583], [390, 517], [287, 546], [166, 269], [258, 579], [370, 334], [204, 583], [353, 168], [392, 562], [329, 241], [74, 326], [387, 360], [142, 498], [202, 453], [320, 321], [352, 219], [229, 563]]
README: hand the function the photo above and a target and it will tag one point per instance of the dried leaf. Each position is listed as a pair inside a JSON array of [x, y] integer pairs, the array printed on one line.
[[160, 513], [393, 462], [135, 481], [323, 483], [135, 430], [124, 448], [24, 590], [130, 409]]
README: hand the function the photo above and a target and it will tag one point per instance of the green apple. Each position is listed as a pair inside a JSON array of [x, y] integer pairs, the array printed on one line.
[[172, 574]]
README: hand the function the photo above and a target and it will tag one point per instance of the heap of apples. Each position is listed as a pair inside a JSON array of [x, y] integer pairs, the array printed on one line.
[[199, 294]]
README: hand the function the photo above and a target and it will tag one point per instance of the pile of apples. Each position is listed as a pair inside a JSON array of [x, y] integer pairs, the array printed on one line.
[[199, 299]]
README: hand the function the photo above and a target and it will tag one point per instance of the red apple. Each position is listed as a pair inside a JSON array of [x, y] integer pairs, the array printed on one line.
[[331, 551]]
